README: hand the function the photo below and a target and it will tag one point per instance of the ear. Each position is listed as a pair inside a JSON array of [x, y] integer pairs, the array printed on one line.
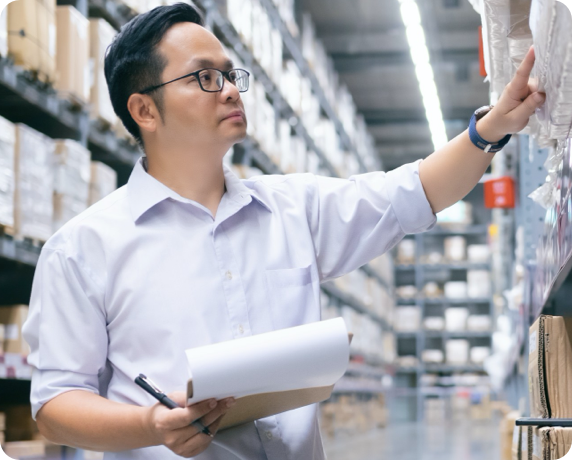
[[144, 111]]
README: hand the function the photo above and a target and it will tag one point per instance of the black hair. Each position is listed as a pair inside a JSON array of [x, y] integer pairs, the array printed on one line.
[[133, 61]]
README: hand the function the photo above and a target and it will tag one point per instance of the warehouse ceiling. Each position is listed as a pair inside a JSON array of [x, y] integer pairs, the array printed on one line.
[[367, 40]]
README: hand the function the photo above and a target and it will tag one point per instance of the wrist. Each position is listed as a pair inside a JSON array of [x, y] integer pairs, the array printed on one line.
[[487, 128], [148, 426]]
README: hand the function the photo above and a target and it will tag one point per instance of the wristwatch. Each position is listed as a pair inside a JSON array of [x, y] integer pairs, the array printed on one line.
[[478, 140]]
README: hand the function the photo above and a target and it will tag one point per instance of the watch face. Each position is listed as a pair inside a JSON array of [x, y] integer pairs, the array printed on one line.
[[481, 112]]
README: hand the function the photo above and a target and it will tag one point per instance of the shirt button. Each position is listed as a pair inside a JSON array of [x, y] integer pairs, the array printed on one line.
[[269, 435], [241, 329], [228, 274]]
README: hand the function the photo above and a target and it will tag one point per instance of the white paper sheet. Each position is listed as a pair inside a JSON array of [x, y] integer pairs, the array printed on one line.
[[313, 355]]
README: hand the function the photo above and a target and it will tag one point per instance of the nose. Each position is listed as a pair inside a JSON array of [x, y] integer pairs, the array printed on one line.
[[229, 91]]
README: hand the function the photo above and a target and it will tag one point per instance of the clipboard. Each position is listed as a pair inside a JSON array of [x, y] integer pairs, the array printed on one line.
[[253, 407]]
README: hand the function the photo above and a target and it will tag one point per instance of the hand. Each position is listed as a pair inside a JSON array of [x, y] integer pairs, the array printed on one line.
[[517, 103], [172, 427]]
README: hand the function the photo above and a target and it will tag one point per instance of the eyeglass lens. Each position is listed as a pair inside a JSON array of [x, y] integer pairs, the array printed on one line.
[[212, 79]]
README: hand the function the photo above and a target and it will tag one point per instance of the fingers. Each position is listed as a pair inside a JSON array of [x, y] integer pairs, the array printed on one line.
[[183, 417], [221, 409], [523, 112], [189, 441], [520, 80]]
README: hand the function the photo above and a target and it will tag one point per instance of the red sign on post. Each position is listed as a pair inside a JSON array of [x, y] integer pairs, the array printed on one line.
[[499, 193]]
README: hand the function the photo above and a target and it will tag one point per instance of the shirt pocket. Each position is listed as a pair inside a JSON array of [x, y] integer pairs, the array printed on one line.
[[291, 294]]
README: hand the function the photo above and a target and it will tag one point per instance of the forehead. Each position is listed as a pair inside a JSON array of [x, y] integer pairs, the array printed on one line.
[[186, 41]]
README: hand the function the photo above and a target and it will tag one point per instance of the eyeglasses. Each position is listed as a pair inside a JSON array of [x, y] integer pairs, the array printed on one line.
[[212, 80]]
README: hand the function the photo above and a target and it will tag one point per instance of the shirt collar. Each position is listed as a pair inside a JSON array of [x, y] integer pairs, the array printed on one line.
[[145, 191]]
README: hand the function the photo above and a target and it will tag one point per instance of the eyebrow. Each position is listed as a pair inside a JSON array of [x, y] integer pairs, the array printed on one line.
[[200, 63]]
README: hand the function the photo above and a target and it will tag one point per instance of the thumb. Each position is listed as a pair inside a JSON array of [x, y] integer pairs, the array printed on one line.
[[179, 397]]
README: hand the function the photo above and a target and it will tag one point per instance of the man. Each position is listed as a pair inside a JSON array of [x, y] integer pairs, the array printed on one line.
[[186, 254]]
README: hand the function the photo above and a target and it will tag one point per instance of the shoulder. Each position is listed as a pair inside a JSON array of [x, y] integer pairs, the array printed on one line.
[[90, 227]]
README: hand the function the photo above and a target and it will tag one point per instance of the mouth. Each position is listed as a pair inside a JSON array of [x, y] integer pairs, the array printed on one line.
[[237, 115]]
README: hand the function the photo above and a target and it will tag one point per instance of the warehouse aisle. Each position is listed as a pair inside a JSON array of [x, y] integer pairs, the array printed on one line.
[[466, 441]]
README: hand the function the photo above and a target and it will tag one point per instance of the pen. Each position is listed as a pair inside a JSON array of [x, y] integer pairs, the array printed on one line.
[[147, 384]]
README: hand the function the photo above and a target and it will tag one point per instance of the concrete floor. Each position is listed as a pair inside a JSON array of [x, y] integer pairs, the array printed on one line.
[[399, 441]]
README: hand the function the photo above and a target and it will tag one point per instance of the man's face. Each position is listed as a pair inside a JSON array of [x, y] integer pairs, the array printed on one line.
[[191, 114]]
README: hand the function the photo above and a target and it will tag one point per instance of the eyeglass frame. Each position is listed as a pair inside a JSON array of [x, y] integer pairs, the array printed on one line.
[[225, 74]]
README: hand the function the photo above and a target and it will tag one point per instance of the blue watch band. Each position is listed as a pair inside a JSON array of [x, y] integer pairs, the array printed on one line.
[[483, 144]]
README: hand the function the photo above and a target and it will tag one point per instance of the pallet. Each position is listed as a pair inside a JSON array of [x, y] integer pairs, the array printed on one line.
[[30, 241], [75, 104], [6, 230]]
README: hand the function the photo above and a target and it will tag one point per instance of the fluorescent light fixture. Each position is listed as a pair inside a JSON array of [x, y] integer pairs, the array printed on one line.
[[424, 72]]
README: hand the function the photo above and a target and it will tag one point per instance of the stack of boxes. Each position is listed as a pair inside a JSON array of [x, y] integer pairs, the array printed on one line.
[[34, 173], [7, 183], [35, 48], [101, 34], [103, 181], [72, 180], [347, 415], [73, 54]]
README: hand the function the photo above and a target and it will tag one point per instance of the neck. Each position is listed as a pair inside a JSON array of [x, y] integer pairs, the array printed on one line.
[[197, 177]]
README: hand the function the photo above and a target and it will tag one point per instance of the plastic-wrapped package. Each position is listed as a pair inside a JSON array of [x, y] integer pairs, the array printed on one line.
[[495, 25], [103, 181], [541, 24], [508, 35], [34, 173], [559, 75], [7, 141], [72, 179]]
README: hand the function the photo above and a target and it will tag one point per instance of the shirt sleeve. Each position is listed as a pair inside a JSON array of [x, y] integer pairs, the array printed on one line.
[[66, 328], [357, 219]]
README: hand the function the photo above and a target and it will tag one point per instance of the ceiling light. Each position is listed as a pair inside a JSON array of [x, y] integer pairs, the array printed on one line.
[[424, 72]]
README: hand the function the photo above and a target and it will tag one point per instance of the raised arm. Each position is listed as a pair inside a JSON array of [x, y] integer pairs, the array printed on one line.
[[453, 171]]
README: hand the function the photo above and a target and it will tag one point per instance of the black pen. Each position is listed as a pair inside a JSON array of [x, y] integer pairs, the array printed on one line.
[[147, 384]]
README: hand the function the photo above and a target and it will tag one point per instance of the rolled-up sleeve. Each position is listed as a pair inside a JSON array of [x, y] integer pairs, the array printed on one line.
[[355, 220], [66, 328]]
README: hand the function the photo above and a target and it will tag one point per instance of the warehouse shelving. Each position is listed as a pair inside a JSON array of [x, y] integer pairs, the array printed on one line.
[[228, 35], [31, 102], [115, 12], [42, 109], [415, 341], [446, 266], [295, 51]]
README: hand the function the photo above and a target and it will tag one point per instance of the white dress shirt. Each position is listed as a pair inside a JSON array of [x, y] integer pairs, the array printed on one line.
[[144, 274]]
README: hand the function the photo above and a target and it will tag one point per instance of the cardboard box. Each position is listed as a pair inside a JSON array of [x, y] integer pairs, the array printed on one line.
[[552, 443], [478, 284], [550, 367], [25, 449], [456, 289], [407, 319], [73, 53], [34, 174], [20, 426], [507, 431], [13, 318], [457, 351], [36, 49], [455, 248], [101, 36], [103, 181], [4, 32], [72, 180], [456, 319], [7, 148]]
